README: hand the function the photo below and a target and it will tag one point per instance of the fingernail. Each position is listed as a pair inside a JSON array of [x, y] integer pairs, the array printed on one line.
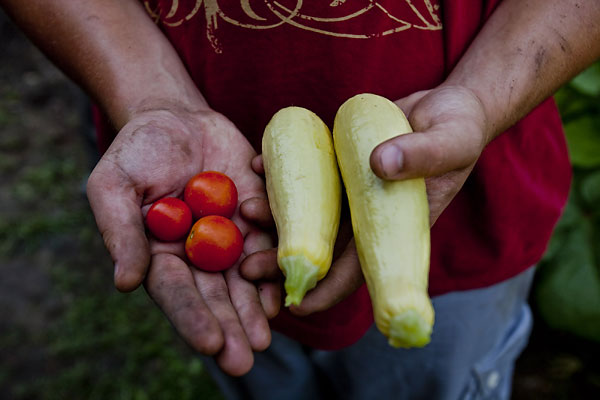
[[117, 271], [391, 161]]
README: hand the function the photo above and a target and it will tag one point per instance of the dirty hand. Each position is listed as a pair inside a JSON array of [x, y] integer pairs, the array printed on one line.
[[153, 156], [450, 134]]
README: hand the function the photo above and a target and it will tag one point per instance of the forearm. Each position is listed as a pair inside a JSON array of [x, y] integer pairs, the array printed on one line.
[[112, 49], [524, 53]]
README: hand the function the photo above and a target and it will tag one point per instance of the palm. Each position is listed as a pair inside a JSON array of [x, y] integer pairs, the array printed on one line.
[[154, 156]]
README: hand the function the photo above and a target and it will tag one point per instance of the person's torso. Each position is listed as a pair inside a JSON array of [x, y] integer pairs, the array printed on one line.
[[250, 58]]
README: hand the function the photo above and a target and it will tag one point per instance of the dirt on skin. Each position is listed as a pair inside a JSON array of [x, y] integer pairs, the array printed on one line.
[[46, 153]]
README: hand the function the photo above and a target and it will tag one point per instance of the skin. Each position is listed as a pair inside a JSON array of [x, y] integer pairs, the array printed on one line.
[[524, 53], [167, 133]]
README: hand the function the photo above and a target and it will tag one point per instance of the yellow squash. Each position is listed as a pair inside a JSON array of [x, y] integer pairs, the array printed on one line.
[[390, 220], [304, 189]]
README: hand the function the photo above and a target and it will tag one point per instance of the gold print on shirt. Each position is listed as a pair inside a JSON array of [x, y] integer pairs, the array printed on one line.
[[269, 14]]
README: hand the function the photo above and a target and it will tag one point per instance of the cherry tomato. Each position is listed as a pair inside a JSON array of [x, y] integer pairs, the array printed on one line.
[[214, 244], [169, 219], [211, 193]]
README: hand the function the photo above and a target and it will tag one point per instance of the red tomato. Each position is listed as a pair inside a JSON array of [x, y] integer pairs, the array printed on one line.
[[214, 244], [211, 193], [169, 219]]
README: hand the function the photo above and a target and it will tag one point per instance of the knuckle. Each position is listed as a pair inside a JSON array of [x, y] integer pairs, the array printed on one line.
[[215, 295]]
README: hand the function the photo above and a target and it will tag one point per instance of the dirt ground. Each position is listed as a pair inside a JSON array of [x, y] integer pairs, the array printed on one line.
[[48, 238]]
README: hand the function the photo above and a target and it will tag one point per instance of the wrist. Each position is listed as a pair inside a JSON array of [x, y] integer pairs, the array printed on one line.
[[524, 53], [172, 89], [172, 104]]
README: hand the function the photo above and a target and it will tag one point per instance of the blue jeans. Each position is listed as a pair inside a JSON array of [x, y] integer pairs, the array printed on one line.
[[477, 336]]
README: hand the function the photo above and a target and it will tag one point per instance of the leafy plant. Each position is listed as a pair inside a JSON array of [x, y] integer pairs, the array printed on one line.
[[567, 291], [110, 345]]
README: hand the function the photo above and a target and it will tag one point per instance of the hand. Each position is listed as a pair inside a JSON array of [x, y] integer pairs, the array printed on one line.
[[153, 156], [343, 278], [450, 134], [451, 131], [450, 128]]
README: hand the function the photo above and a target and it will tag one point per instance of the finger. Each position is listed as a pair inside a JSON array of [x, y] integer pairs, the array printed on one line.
[[450, 126], [116, 208], [430, 153], [171, 285], [245, 299], [235, 357], [175, 248], [256, 210], [343, 279], [258, 165], [267, 283], [262, 267], [256, 241], [441, 190], [269, 294], [344, 237]]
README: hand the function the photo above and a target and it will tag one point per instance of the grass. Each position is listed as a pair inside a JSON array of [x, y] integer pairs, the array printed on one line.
[[66, 333], [116, 346], [101, 344]]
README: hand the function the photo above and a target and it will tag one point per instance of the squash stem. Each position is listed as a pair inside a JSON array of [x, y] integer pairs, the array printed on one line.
[[409, 329], [300, 276]]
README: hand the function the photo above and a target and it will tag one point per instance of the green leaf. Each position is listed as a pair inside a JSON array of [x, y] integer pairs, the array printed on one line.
[[590, 189], [572, 216], [583, 139], [572, 104], [588, 82], [567, 292]]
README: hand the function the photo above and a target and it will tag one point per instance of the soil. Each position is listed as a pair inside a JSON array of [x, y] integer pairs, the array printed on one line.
[[42, 112]]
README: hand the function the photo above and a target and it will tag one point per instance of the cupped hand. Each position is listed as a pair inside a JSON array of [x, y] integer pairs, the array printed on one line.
[[450, 132], [153, 156], [343, 278]]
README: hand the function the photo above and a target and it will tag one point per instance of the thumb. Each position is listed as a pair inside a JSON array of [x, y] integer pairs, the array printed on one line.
[[432, 152], [119, 219]]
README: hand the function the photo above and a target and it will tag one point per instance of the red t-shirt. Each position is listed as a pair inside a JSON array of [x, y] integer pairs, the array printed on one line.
[[251, 58]]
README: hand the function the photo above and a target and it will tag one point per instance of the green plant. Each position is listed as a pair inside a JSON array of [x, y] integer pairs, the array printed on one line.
[[108, 345], [567, 291]]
